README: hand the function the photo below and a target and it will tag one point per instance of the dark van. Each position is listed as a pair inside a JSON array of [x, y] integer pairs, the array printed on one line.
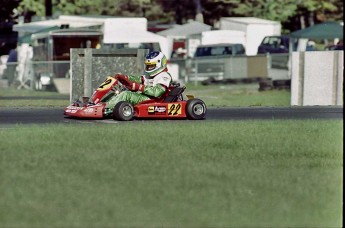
[[276, 44]]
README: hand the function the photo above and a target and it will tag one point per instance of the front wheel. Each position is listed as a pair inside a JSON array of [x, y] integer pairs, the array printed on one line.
[[123, 111], [195, 109]]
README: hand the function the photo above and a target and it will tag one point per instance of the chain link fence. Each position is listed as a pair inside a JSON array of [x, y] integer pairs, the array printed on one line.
[[40, 75], [274, 66], [37, 75]]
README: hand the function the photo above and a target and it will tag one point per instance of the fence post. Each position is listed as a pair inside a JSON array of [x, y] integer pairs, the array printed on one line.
[[141, 54], [87, 72], [317, 79], [188, 68], [196, 72]]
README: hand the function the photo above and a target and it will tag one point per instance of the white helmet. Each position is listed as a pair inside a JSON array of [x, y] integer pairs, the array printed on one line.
[[155, 62]]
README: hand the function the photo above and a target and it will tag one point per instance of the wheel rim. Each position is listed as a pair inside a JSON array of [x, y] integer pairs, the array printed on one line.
[[127, 111], [198, 109]]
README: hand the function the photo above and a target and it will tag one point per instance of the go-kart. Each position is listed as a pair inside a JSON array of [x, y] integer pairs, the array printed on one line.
[[171, 105]]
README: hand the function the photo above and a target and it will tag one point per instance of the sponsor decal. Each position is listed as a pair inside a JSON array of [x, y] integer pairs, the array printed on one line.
[[151, 109], [71, 110], [88, 110], [156, 110], [174, 109], [74, 108]]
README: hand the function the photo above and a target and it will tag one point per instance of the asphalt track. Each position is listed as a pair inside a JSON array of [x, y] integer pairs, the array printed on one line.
[[36, 115]]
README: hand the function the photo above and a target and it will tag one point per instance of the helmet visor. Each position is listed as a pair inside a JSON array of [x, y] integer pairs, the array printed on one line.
[[150, 66]]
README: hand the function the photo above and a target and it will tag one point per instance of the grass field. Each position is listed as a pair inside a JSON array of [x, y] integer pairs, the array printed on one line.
[[213, 95], [173, 174], [259, 173]]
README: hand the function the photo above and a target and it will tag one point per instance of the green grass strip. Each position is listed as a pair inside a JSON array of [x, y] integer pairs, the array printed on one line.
[[274, 173], [213, 96]]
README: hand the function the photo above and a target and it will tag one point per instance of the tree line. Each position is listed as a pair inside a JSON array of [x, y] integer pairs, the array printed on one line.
[[292, 14]]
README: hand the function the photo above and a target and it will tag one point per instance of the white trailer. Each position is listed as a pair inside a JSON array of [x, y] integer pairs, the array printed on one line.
[[255, 30], [223, 37], [132, 33]]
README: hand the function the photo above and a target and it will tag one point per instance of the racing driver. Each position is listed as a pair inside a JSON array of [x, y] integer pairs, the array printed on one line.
[[152, 84]]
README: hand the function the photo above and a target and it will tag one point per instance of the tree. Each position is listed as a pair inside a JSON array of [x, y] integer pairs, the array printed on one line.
[[293, 14], [310, 12], [181, 10], [34, 6], [271, 10], [213, 10], [7, 10], [65, 6]]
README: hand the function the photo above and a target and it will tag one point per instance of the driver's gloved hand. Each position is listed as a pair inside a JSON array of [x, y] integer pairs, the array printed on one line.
[[123, 79]]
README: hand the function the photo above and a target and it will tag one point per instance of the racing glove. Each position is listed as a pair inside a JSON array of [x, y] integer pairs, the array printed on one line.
[[123, 79]]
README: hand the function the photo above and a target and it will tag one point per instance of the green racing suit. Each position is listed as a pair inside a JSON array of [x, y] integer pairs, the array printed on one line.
[[154, 87]]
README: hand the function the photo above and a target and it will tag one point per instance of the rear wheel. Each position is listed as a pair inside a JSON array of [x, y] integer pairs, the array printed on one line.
[[195, 109], [123, 111]]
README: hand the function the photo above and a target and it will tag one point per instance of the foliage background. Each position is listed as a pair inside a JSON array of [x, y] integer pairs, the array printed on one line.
[[293, 14]]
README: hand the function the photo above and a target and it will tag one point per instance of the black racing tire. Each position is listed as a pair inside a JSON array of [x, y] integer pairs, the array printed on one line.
[[282, 84], [265, 88], [277, 83], [123, 111], [195, 109], [265, 85]]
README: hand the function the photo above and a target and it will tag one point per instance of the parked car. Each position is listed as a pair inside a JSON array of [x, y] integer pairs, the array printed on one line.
[[219, 50], [335, 47], [276, 44]]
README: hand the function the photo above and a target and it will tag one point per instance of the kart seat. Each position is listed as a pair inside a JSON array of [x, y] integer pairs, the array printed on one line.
[[173, 94]]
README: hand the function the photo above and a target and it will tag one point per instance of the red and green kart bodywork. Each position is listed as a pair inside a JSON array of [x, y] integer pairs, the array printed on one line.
[[169, 106]]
